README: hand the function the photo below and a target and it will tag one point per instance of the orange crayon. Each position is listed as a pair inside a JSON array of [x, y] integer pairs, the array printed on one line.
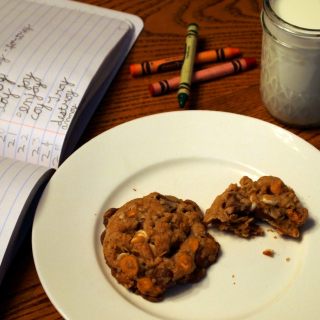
[[175, 63], [217, 71]]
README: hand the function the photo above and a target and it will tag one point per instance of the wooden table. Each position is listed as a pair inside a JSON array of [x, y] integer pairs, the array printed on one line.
[[222, 23]]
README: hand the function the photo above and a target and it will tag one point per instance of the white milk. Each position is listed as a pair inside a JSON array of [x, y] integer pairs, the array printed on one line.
[[290, 64], [301, 13]]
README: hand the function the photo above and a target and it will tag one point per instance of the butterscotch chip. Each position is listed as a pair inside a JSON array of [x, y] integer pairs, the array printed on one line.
[[240, 207], [155, 242]]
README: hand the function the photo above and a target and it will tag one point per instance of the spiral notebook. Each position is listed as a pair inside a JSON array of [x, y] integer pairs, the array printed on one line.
[[57, 59]]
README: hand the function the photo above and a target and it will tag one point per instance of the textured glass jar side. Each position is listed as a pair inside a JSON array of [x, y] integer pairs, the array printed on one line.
[[290, 82]]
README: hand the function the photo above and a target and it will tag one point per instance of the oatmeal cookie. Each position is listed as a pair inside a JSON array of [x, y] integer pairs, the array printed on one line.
[[155, 242], [240, 207]]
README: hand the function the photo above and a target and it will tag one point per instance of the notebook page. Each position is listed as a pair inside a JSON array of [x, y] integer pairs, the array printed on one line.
[[17, 180], [48, 56]]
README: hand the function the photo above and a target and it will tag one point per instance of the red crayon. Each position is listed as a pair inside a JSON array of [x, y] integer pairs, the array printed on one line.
[[217, 71]]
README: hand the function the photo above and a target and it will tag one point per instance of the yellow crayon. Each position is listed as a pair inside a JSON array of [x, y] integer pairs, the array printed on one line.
[[188, 62]]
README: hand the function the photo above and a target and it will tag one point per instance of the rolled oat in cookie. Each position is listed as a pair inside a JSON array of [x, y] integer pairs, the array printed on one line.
[[240, 207], [155, 242]]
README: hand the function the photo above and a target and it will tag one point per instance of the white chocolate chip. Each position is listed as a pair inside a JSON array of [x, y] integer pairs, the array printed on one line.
[[139, 235], [269, 199]]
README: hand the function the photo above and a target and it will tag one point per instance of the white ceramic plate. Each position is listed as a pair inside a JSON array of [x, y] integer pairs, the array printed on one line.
[[189, 154]]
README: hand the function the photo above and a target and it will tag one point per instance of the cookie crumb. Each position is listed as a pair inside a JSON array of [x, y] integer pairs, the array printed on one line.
[[268, 252], [288, 259]]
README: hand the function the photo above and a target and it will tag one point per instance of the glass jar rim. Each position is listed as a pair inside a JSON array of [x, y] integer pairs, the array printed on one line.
[[287, 26]]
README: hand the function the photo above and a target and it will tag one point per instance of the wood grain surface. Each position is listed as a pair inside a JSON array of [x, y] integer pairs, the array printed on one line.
[[222, 23]]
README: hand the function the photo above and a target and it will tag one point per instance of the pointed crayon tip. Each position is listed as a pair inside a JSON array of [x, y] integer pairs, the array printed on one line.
[[151, 90], [234, 51], [182, 99], [250, 62], [135, 69]]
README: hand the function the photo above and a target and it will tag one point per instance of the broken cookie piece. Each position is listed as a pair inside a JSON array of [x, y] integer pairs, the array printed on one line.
[[240, 207], [155, 242], [232, 211]]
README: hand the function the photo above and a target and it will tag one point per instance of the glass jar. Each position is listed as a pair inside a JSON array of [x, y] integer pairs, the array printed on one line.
[[290, 69]]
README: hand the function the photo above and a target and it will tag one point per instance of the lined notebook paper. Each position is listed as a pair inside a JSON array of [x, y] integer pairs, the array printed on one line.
[[56, 62]]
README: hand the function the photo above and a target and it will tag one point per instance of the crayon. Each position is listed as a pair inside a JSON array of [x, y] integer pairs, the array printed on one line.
[[187, 66], [175, 63], [217, 71]]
